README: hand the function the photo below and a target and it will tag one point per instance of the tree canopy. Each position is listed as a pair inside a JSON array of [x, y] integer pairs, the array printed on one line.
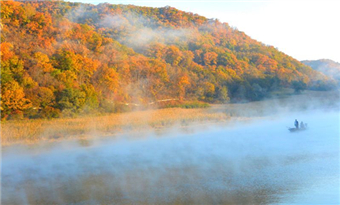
[[60, 57]]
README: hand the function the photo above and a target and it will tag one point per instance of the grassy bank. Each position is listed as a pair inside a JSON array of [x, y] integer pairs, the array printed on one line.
[[30, 131]]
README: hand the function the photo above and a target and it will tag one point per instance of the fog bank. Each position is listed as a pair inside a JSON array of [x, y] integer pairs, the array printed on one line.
[[259, 162]]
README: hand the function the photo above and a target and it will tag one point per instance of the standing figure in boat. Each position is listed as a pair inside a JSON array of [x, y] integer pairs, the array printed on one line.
[[296, 123]]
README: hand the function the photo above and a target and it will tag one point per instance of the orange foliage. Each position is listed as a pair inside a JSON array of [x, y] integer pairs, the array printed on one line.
[[51, 50]]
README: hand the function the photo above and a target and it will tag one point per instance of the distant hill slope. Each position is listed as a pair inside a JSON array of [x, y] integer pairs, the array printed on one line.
[[325, 66], [63, 58]]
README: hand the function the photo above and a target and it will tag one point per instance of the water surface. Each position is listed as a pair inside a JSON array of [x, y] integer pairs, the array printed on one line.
[[254, 163]]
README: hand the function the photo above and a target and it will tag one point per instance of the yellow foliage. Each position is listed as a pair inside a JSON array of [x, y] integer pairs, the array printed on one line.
[[43, 62], [13, 98]]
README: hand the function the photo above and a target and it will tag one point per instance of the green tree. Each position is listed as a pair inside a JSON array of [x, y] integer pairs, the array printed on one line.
[[222, 94], [91, 101], [71, 99], [298, 86]]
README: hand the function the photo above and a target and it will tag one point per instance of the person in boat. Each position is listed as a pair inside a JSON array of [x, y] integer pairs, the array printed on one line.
[[296, 123], [302, 125]]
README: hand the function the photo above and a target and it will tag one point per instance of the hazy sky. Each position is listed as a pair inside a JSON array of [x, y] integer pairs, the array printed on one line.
[[305, 30]]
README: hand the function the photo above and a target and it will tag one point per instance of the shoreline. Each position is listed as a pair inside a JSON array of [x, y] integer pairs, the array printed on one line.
[[35, 131], [112, 125], [136, 134]]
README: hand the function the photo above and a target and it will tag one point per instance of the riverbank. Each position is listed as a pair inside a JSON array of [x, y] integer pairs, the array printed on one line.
[[32, 131], [41, 130]]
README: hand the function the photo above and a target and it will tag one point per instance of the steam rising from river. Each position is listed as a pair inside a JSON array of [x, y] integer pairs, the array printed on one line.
[[259, 162]]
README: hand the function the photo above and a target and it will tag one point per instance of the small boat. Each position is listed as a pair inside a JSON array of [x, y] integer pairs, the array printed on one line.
[[297, 129]]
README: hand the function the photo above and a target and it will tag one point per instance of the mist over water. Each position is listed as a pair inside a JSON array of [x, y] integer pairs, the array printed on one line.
[[258, 162]]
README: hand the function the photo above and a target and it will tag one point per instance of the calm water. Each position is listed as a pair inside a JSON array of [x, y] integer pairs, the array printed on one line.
[[254, 163]]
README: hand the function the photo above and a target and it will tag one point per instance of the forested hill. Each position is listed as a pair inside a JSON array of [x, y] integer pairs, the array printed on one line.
[[63, 58], [325, 66]]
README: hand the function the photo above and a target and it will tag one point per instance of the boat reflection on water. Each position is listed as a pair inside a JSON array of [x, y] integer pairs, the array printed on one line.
[[297, 129]]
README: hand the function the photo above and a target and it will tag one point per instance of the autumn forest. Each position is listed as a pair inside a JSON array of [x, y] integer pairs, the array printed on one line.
[[64, 59]]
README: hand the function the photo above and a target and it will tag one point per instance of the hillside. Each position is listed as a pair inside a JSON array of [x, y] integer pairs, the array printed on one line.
[[325, 66], [60, 58]]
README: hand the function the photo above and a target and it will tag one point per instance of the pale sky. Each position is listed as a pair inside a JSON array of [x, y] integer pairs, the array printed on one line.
[[305, 30]]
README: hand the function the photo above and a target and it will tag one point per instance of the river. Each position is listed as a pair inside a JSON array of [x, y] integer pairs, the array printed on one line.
[[258, 162]]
